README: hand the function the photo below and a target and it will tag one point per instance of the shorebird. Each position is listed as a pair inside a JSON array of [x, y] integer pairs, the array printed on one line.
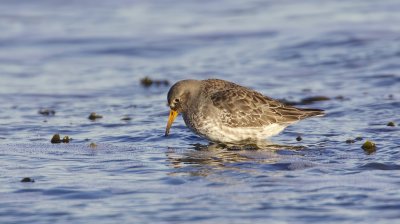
[[225, 112]]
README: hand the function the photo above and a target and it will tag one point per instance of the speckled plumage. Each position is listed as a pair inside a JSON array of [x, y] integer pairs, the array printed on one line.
[[223, 111]]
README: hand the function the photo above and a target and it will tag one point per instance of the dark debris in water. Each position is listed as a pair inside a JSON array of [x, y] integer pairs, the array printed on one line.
[[310, 100], [93, 116], [126, 118], [47, 112], [66, 139], [351, 141], [391, 124], [147, 82], [56, 139], [299, 138], [27, 180], [340, 97], [369, 147]]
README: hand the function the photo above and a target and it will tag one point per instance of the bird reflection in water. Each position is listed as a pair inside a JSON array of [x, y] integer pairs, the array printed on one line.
[[202, 160]]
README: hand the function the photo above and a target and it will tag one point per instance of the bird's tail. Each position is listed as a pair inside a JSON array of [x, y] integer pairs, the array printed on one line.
[[313, 112]]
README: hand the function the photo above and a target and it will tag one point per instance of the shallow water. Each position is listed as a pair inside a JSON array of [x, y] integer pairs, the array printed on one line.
[[89, 56]]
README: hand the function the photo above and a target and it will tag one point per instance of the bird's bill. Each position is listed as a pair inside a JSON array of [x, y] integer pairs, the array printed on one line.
[[171, 118]]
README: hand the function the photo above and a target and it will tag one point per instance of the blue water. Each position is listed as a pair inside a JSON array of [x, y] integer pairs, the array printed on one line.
[[78, 57]]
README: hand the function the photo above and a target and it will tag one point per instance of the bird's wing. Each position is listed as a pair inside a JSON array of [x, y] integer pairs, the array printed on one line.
[[242, 107]]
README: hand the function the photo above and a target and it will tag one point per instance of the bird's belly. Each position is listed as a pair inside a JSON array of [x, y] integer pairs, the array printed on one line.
[[238, 134], [218, 132]]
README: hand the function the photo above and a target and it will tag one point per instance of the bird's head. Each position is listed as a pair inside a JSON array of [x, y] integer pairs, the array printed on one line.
[[179, 98]]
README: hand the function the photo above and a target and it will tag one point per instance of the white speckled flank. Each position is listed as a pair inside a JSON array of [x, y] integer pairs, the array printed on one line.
[[221, 111]]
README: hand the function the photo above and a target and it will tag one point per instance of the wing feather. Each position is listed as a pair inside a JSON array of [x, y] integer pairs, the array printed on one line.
[[242, 107]]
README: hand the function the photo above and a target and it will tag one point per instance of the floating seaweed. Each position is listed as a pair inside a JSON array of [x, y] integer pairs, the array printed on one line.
[[340, 97], [126, 118], [350, 141], [66, 139], [147, 82], [310, 100], [47, 112], [369, 147], [27, 180], [93, 116], [359, 138], [55, 139], [391, 124]]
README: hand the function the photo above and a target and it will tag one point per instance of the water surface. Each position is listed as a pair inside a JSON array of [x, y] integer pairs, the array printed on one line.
[[89, 56]]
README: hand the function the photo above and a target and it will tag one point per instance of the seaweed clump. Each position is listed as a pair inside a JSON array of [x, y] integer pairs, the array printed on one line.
[[93, 116], [391, 124], [56, 139], [147, 82], [350, 141], [359, 138], [47, 112], [310, 100], [27, 180], [126, 118], [65, 139], [369, 147]]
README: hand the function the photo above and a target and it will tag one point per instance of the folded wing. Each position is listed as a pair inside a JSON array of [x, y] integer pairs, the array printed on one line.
[[247, 108]]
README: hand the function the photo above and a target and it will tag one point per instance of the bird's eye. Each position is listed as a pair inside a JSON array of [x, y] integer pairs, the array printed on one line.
[[176, 100]]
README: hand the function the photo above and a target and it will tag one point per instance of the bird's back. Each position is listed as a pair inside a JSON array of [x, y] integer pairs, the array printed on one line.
[[239, 106]]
